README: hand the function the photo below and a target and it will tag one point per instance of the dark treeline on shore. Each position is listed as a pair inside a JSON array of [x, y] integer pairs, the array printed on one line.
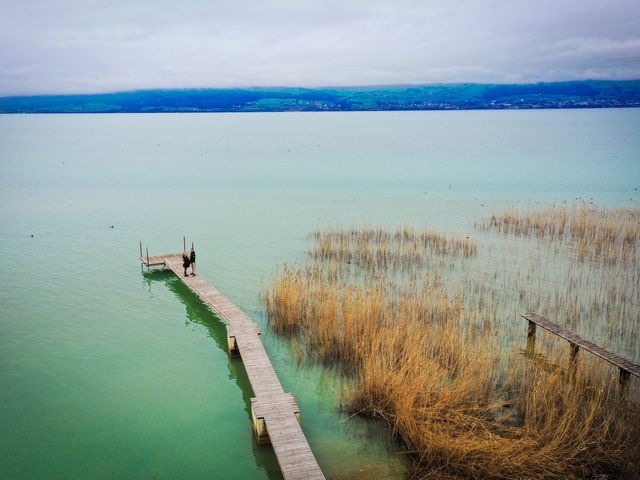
[[467, 96]]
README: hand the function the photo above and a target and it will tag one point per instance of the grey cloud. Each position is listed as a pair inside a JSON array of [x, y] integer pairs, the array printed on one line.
[[628, 48], [78, 46]]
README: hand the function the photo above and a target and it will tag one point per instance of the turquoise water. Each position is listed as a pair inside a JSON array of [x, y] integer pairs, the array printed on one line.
[[107, 373]]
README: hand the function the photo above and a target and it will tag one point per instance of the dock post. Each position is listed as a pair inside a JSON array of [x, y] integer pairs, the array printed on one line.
[[531, 338], [147, 259], [259, 426], [232, 345], [572, 359], [184, 244], [623, 383], [141, 263]]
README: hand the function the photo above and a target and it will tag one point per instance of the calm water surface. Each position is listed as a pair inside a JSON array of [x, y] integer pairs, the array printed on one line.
[[106, 373]]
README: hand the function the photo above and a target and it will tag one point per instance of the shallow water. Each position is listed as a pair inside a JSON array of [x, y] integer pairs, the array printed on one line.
[[107, 373]]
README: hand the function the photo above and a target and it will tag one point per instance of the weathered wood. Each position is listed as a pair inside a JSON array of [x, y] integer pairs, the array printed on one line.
[[623, 382], [275, 414], [627, 367], [531, 338], [573, 359], [152, 261]]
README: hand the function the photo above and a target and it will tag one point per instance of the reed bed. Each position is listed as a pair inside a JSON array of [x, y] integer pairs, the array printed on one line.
[[437, 353], [418, 361], [612, 235], [380, 249]]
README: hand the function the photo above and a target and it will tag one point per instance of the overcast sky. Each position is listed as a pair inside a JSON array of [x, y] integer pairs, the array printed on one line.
[[81, 46]]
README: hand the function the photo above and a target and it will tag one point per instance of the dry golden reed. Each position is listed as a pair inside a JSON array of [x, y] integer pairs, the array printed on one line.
[[612, 235], [430, 355], [377, 248]]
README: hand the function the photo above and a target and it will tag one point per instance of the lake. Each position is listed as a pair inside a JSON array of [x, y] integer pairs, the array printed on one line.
[[107, 373]]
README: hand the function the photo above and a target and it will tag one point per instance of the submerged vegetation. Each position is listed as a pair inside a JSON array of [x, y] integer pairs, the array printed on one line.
[[378, 249], [425, 326], [612, 235]]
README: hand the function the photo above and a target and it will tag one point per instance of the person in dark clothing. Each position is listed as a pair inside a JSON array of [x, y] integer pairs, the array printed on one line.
[[192, 260], [186, 262]]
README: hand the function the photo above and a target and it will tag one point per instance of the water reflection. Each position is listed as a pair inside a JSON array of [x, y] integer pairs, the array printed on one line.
[[198, 313]]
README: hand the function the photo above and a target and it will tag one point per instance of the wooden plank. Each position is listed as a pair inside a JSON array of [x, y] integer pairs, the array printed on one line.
[[575, 339], [278, 409], [291, 448]]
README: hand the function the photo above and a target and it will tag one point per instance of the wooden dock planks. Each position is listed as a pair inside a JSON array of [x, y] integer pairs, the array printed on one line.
[[271, 405], [575, 339]]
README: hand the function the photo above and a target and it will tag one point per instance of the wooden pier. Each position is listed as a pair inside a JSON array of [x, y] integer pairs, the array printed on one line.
[[275, 414], [626, 367]]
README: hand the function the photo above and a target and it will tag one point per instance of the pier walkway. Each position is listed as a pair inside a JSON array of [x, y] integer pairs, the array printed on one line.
[[275, 414]]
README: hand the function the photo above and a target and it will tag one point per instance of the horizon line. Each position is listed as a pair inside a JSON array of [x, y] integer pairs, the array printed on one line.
[[298, 87]]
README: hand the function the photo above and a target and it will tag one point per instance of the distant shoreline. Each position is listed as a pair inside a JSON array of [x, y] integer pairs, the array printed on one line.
[[463, 96], [196, 112]]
